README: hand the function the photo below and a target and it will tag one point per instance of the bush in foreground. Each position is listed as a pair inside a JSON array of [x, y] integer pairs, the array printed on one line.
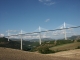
[[45, 50], [78, 47]]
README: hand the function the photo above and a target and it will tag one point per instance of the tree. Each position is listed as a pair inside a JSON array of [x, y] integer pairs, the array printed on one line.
[[44, 50]]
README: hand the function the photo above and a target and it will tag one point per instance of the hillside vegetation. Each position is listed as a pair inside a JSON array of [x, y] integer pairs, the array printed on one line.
[[66, 46], [58, 45], [46, 47], [9, 44], [16, 44]]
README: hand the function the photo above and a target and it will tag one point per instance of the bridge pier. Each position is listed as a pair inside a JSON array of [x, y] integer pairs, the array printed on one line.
[[21, 43]]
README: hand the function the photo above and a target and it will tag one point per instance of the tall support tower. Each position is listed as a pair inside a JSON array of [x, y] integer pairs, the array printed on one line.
[[21, 39], [65, 31], [39, 35], [8, 35]]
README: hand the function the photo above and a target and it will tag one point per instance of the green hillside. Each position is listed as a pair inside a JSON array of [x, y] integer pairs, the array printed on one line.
[[9, 44], [58, 45], [46, 46], [16, 44], [66, 46]]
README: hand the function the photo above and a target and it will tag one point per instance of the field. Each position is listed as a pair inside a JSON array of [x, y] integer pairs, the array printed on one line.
[[66, 46], [13, 54], [69, 54]]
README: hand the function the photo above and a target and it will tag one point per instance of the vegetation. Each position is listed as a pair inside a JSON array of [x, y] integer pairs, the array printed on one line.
[[61, 42], [78, 40], [65, 46], [27, 45], [45, 48], [9, 44], [78, 47]]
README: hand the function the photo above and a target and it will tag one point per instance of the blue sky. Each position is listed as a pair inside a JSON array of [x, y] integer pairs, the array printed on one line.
[[28, 15]]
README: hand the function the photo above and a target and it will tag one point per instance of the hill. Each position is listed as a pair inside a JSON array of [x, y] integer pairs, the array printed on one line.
[[13, 54], [66, 46], [74, 37], [69, 54], [9, 44], [16, 44]]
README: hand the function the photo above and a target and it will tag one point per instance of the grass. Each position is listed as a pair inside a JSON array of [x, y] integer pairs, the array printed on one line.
[[66, 46]]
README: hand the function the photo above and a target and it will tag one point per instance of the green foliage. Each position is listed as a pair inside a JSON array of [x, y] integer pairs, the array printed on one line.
[[48, 42], [33, 49], [78, 40], [30, 46], [13, 44], [34, 46], [3, 39], [9, 44], [26, 48], [60, 42], [44, 50]]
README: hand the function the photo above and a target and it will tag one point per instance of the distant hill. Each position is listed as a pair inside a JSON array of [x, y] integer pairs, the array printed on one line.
[[74, 37], [46, 39], [32, 40], [42, 39], [3, 39], [9, 44], [16, 44]]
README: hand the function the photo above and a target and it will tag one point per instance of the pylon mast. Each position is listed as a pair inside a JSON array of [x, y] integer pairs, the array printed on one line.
[[8, 35], [21, 39], [65, 31], [39, 35]]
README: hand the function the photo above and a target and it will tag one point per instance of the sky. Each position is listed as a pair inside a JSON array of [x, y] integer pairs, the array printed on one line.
[[28, 15]]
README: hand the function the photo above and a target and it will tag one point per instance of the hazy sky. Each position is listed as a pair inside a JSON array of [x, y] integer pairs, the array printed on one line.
[[28, 15]]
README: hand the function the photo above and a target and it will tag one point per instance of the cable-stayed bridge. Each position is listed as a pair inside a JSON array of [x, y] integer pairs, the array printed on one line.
[[63, 31], [45, 33]]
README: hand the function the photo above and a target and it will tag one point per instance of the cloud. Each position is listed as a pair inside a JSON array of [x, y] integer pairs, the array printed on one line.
[[47, 2], [47, 20], [44, 0], [41, 0], [1, 35]]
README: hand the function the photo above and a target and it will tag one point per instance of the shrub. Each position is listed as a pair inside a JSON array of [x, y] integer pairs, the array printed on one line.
[[44, 50], [78, 40], [78, 47]]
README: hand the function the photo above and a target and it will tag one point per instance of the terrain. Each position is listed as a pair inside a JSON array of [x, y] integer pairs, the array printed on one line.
[[68, 54], [69, 46], [14, 54], [48, 50]]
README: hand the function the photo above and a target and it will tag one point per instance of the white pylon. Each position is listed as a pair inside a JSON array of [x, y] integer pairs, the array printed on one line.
[[65, 31], [8, 35], [40, 35], [21, 39]]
